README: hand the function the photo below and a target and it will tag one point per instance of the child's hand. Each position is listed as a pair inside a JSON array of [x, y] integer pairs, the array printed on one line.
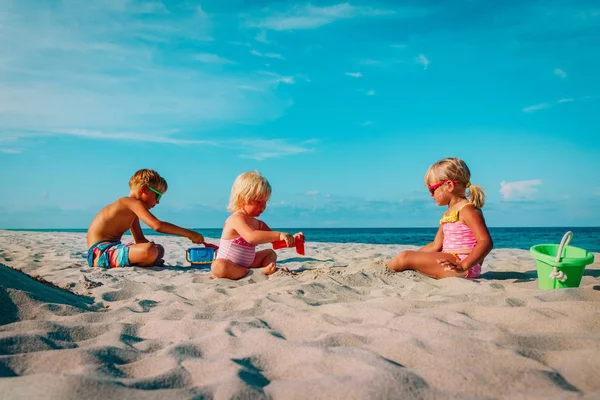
[[299, 235], [450, 266], [196, 238], [287, 238]]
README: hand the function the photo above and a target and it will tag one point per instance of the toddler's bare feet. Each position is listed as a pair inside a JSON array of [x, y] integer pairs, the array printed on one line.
[[269, 269]]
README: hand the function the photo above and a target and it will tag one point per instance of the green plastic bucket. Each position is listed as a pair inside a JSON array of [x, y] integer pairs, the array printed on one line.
[[560, 266]]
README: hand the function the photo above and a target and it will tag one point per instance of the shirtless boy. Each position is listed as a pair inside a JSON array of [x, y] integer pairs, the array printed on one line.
[[105, 249]]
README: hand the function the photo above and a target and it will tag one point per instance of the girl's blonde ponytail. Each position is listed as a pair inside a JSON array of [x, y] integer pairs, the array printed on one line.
[[476, 196]]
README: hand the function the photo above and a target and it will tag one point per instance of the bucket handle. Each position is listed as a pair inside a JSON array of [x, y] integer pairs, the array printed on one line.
[[556, 274], [565, 241]]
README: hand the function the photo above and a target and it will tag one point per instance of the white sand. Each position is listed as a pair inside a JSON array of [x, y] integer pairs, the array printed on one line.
[[341, 328]]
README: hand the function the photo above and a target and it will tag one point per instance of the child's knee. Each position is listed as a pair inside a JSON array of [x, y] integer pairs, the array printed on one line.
[[271, 254], [218, 270], [399, 262], [150, 252], [161, 251]]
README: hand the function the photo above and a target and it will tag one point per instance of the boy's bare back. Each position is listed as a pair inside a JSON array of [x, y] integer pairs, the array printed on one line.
[[146, 187], [113, 221]]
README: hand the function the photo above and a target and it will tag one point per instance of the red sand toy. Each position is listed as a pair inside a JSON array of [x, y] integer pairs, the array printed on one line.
[[298, 243]]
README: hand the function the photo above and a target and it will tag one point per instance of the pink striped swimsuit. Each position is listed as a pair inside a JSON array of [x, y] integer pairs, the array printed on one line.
[[238, 251], [458, 238]]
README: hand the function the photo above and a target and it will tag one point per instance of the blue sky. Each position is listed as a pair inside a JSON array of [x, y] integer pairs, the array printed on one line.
[[342, 106]]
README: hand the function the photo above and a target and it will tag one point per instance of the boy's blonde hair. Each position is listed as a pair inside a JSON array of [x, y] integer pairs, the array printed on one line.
[[247, 187], [455, 169], [149, 177]]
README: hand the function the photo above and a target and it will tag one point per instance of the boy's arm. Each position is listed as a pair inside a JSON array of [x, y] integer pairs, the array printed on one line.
[[138, 207], [436, 245], [251, 235], [136, 231]]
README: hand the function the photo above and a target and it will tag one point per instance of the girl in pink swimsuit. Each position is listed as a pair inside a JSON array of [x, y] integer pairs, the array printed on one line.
[[463, 239], [243, 232]]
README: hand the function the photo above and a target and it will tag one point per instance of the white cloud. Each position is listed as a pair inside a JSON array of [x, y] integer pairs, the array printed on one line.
[[537, 107], [155, 137], [372, 62], [268, 55], [151, 8], [354, 74], [542, 106], [370, 93], [262, 149], [287, 79], [310, 17], [7, 150], [520, 190], [560, 73], [212, 59], [312, 193], [421, 59], [262, 37], [257, 149], [200, 14], [279, 78], [166, 137], [94, 69], [241, 44], [251, 88]]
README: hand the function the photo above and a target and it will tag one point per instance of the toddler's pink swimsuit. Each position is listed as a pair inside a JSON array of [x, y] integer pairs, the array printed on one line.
[[238, 251], [458, 239]]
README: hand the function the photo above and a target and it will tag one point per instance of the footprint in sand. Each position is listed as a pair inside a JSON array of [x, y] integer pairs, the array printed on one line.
[[511, 301]]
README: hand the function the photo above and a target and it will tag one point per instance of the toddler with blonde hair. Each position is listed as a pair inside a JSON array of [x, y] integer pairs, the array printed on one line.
[[242, 231]]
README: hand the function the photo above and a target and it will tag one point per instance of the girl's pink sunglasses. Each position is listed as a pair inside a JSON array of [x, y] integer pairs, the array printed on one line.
[[432, 188]]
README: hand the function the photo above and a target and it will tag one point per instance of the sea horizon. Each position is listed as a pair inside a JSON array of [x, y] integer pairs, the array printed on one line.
[[586, 237]]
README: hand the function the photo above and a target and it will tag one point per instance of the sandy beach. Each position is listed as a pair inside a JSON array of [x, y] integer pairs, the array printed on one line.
[[340, 326]]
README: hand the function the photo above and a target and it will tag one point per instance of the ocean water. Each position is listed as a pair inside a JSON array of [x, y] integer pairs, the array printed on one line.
[[519, 238]]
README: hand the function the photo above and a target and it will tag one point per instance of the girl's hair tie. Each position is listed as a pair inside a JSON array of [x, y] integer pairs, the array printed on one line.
[[468, 184]]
